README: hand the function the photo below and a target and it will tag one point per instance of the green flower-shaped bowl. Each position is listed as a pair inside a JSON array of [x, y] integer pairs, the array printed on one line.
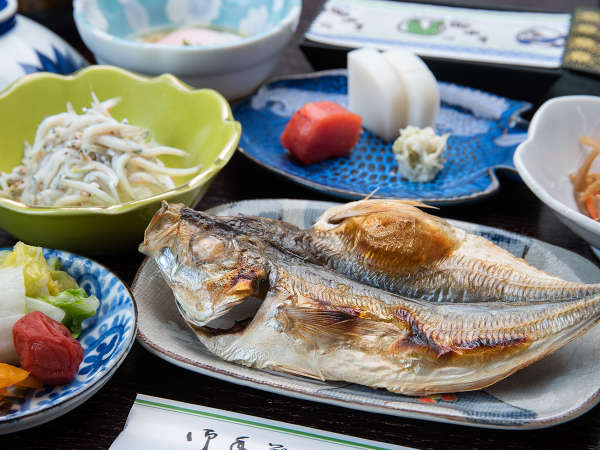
[[197, 121]]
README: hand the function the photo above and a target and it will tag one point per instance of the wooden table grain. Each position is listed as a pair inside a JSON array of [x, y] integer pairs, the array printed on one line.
[[96, 423]]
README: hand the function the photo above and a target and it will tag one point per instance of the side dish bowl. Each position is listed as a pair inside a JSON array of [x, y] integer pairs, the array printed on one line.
[[197, 121], [552, 152], [234, 68], [106, 339]]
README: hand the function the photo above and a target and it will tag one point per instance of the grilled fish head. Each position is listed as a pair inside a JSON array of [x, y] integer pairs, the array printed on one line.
[[390, 235], [210, 269]]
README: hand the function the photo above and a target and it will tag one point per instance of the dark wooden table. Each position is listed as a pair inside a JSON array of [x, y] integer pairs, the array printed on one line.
[[97, 422]]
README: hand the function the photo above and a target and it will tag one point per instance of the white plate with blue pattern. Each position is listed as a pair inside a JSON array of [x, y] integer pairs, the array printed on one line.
[[106, 339], [554, 390], [484, 131]]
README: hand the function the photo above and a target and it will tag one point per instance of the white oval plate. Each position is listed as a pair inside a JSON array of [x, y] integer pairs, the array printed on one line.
[[556, 389]]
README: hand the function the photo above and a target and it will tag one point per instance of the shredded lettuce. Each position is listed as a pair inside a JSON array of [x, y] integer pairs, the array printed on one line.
[[12, 291], [3, 255], [33, 304], [76, 305], [49, 289], [41, 278]]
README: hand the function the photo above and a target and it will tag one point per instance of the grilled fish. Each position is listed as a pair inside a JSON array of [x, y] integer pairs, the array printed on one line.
[[251, 303], [393, 245]]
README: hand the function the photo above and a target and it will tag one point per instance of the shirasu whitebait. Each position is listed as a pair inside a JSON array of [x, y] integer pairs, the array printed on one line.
[[90, 159]]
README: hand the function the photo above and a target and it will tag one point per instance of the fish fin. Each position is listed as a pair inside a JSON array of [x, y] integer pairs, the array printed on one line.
[[299, 372], [162, 227], [373, 192], [243, 287], [246, 280], [333, 323], [367, 207]]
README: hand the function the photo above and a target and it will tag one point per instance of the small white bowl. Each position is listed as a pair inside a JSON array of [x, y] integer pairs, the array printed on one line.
[[234, 69], [552, 151]]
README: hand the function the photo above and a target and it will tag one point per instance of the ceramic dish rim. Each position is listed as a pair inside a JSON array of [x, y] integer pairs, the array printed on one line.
[[287, 21], [349, 194], [34, 419], [216, 165], [232, 377], [70, 401], [8, 11], [589, 224]]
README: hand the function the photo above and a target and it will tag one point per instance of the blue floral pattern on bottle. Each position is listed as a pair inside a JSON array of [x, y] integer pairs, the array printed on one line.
[[106, 337], [62, 63]]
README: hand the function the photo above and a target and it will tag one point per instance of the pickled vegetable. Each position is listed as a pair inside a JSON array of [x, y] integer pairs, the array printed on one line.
[[47, 349]]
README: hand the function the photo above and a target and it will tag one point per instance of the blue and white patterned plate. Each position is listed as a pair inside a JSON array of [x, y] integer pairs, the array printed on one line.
[[106, 339], [483, 139], [556, 389]]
